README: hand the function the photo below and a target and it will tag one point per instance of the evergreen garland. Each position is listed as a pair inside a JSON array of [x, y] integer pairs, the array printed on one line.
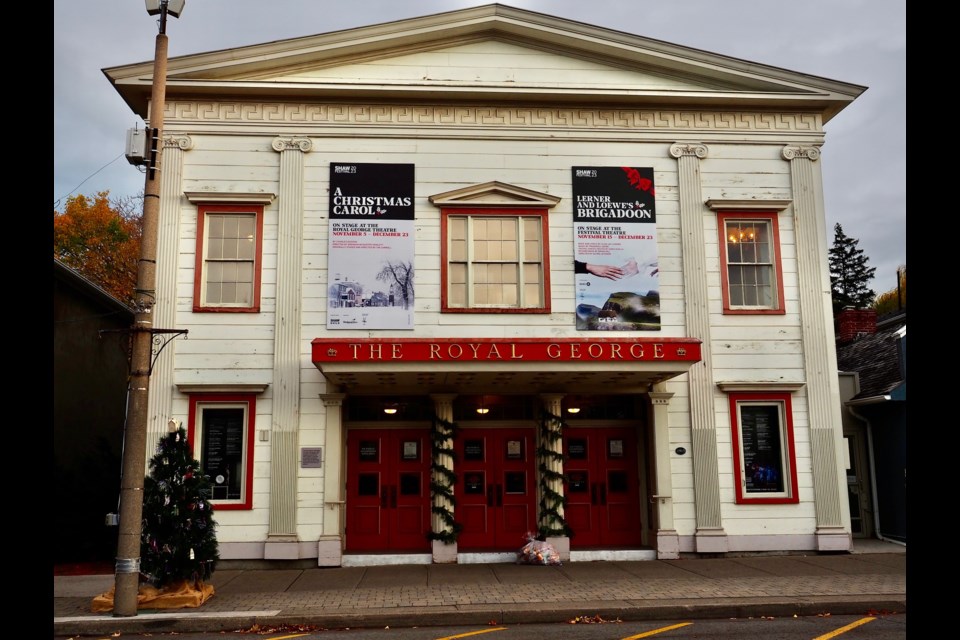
[[178, 540], [552, 523], [440, 432]]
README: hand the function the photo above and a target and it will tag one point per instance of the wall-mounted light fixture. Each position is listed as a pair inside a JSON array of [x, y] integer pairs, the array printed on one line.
[[390, 408], [573, 409], [173, 425], [483, 409]]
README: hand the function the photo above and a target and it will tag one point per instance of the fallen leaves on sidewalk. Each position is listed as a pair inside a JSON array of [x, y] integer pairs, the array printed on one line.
[[591, 620], [262, 630]]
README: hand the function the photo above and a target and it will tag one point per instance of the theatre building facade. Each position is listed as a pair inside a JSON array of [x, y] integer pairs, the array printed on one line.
[[441, 284]]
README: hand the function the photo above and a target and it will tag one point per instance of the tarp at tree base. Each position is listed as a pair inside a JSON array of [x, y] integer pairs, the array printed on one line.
[[173, 596]]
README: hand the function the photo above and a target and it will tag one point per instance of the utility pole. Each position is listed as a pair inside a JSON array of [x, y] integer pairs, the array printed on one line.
[[127, 572]]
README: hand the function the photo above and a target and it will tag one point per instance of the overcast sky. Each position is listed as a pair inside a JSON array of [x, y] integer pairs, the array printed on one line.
[[862, 42]]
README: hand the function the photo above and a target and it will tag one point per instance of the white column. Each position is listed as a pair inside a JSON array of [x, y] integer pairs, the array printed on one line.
[[330, 545], [710, 536], [282, 532], [819, 349], [160, 400], [553, 404], [668, 541]]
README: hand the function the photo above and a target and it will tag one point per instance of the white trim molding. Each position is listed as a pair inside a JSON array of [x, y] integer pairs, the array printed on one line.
[[717, 204], [232, 197], [222, 388], [734, 387]]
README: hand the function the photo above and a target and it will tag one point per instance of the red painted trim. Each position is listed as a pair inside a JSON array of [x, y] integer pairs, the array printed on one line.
[[442, 350], [491, 211], [251, 401], [793, 496], [722, 219], [202, 210]]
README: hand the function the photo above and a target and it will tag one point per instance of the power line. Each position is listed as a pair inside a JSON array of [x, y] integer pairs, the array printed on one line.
[[59, 200]]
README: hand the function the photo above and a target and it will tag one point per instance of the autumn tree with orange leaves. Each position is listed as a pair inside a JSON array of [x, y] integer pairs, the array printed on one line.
[[100, 238]]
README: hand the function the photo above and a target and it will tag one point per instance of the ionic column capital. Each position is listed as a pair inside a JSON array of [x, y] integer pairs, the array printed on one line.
[[793, 152], [697, 149], [179, 141], [281, 144]]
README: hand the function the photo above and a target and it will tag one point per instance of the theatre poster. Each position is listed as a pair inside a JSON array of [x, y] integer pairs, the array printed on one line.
[[371, 247], [616, 270]]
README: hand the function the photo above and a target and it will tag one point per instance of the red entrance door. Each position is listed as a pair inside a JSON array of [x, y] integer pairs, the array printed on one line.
[[602, 488], [388, 490], [496, 488]]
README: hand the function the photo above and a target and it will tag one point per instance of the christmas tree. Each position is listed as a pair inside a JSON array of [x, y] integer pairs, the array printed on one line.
[[178, 541]]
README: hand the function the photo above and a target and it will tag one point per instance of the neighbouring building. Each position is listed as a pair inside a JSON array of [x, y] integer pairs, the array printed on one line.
[[454, 280], [90, 372], [872, 361]]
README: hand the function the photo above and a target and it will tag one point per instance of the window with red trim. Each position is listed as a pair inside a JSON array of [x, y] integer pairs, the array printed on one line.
[[750, 263], [764, 458], [229, 253], [221, 427], [495, 261]]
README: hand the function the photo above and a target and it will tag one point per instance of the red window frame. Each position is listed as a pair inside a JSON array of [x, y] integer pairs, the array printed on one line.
[[199, 273], [788, 449], [213, 399], [771, 217], [505, 212]]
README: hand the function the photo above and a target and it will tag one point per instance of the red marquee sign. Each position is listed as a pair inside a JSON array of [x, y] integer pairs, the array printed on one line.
[[379, 350]]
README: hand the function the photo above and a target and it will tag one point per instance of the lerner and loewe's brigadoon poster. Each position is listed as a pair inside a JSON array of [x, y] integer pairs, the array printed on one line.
[[372, 247], [615, 249]]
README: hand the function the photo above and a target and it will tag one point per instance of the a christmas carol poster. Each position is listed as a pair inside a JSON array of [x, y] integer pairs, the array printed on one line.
[[371, 246]]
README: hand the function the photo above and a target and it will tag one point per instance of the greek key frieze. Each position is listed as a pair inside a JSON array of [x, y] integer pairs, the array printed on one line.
[[485, 116]]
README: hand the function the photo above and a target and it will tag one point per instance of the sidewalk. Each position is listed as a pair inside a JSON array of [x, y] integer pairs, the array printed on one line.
[[872, 579]]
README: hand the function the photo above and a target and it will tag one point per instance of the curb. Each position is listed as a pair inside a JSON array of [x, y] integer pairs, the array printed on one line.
[[517, 614]]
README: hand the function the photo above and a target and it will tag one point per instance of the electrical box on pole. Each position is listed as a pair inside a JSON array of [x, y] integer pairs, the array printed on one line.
[[136, 151]]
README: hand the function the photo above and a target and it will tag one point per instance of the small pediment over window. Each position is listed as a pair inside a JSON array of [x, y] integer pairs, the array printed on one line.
[[494, 194]]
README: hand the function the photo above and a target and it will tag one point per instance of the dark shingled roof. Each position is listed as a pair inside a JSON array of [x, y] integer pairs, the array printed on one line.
[[876, 357]]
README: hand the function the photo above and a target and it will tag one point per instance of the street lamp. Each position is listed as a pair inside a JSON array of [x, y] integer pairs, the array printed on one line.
[[127, 572]]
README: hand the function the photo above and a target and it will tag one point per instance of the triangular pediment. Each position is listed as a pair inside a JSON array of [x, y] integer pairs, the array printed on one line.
[[494, 194], [491, 52]]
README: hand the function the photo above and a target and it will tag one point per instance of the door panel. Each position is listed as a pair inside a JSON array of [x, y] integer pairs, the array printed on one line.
[[496, 491], [388, 490], [602, 487]]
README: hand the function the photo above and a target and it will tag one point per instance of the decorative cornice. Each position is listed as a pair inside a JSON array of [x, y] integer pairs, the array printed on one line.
[[719, 204], [292, 144], [792, 152], [180, 141], [222, 388], [232, 197], [660, 397], [698, 149], [485, 116], [730, 387], [332, 399]]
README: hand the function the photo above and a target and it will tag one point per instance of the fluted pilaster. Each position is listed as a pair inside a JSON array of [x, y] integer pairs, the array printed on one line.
[[820, 359], [668, 541], [286, 354], [700, 377], [334, 499], [160, 400]]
